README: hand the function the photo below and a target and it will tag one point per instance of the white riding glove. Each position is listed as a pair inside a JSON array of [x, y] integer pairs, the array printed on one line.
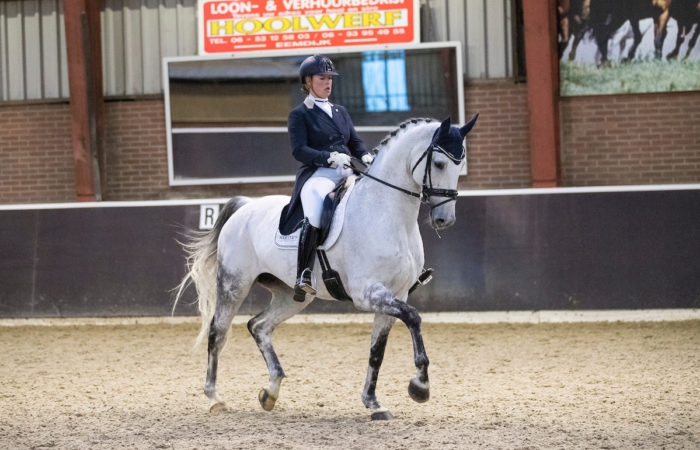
[[367, 158], [339, 160]]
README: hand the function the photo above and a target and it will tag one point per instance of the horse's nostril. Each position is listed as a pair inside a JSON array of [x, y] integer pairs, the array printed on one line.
[[439, 224], [442, 223]]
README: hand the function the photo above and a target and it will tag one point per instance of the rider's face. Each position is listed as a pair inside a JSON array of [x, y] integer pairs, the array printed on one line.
[[320, 86]]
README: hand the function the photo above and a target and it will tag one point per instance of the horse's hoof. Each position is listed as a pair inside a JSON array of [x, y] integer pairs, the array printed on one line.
[[217, 407], [419, 392], [267, 401], [382, 415]]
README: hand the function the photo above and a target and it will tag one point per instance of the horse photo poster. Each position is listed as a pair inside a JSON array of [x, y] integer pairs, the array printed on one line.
[[628, 46]]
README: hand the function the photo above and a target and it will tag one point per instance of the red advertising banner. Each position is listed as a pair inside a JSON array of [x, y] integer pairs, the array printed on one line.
[[227, 26]]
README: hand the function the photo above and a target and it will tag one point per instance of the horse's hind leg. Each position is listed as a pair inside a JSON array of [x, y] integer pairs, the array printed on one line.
[[380, 335], [231, 290], [281, 308]]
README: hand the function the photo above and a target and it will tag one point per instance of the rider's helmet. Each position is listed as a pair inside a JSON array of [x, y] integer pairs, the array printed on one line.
[[316, 65]]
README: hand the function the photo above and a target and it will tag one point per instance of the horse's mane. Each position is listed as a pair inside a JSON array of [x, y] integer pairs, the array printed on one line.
[[405, 125]]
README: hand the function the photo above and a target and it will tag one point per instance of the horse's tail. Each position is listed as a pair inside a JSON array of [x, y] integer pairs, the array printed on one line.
[[202, 265]]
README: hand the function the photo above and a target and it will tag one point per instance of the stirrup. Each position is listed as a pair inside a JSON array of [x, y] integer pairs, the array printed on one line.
[[299, 294], [304, 282], [424, 278], [302, 288]]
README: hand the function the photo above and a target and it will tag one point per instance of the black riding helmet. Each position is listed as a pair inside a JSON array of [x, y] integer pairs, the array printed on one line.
[[316, 65]]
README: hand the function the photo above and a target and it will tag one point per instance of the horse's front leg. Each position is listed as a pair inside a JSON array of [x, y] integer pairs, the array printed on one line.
[[380, 335], [381, 300]]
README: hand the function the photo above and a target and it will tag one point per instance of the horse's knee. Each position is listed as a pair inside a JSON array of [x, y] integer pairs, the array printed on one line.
[[410, 315], [380, 299]]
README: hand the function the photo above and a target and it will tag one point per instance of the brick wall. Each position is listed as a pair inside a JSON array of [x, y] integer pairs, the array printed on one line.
[[631, 139], [499, 146], [606, 140], [36, 157]]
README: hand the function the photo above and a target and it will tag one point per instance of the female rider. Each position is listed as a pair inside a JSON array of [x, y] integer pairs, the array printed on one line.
[[323, 138]]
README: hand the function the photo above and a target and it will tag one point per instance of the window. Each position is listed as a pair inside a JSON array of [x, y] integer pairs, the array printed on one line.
[[226, 118], [384, 81]]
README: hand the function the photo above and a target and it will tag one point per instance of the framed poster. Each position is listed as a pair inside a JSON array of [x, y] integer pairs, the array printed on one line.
[[628, 46]]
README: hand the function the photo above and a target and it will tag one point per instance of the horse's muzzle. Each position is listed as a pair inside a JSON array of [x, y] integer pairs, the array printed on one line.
[[440, 221]]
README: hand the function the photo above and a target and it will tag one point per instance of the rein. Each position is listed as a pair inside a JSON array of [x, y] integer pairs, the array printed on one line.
[[428, 190], [359, 168]]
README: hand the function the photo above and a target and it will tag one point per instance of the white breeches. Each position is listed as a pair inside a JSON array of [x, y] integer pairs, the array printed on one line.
[[315, 190]]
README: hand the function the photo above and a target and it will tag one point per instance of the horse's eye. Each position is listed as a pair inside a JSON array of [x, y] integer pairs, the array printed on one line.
[[439, 165]]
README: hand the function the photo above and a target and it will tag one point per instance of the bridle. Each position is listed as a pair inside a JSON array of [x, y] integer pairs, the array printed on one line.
[[428, 190]]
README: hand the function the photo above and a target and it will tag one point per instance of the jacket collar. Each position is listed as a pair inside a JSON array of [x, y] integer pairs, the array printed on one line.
[[309, 102]]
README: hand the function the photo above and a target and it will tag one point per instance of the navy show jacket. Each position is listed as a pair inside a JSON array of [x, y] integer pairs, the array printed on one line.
[[313, 136]]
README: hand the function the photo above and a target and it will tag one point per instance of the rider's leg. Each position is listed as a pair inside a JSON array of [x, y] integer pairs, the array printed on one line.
[[305, 261], [312, 195]]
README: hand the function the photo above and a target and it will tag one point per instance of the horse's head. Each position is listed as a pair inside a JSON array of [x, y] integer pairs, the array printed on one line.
[[437, 170]]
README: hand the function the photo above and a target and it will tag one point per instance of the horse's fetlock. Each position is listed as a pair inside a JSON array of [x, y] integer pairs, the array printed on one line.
[[277, 374], [370, 402], [422, 363]]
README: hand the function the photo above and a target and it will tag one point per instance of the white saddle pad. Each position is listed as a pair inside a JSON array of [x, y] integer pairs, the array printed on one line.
[[291, 241]]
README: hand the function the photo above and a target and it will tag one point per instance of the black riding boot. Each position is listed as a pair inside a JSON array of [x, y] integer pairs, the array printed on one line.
[[305, 261]]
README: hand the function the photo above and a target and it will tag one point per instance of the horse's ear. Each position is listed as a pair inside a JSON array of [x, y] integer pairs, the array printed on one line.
[[445, 125], [468, 127]]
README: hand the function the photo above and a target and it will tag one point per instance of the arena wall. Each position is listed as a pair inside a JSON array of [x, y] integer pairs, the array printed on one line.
[[510, 250], [627, 139]]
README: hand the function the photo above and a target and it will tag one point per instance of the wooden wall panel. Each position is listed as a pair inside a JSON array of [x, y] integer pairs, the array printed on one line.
[[138, 34]]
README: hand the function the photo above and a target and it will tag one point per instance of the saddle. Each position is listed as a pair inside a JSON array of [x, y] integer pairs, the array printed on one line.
[[329, 230], [330, 204], [328, 233]]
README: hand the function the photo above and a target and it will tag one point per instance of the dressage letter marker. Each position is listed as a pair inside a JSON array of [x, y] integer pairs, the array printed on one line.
[[207, 216]]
